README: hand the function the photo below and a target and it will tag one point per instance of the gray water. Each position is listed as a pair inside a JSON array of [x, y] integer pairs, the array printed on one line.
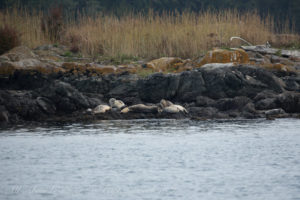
[[152, 159]]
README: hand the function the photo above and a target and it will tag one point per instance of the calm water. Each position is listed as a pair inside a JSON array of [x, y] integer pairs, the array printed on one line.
[[156, 159]]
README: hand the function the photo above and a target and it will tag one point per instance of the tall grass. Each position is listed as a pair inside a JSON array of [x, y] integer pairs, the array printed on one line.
[[28, 25], [150, 35]]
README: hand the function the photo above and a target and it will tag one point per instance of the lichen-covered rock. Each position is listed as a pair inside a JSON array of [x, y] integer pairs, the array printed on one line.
[[225, 56], [101, 69], [164, 64], [20, 53]]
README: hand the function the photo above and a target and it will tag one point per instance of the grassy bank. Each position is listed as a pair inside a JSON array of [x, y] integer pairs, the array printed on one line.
[[150, 36]]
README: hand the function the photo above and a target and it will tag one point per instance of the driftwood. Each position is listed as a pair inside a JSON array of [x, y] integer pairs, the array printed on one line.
[[264, 50]]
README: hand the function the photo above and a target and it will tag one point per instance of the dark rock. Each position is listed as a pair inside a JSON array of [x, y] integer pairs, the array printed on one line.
[[65, 97], [46, 105], [266, 104], [190, 86], [28, 80], [158, 86], [264, 95], [235, 103], [289, 102], [206, 112], [4, 115], [203, 101], [292, 83], [131, 100], [272, 112], [124, 86]]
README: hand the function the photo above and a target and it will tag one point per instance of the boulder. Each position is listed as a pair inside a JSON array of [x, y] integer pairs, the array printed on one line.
[[191, 85], [206, 113], [65, 97], [20, 53], [289, 102], [101, 69], [164, 64], [158, 86], [202, 101], [266, 104], [225, 56], [236, 103], [273, 112], [46, 105]]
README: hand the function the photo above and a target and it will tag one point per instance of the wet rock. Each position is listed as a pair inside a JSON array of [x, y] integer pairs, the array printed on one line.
[[206, 112]]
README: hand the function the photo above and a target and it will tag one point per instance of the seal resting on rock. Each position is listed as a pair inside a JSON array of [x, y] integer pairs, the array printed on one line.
[[100, 109], [140, 108], [175, 109], [165, 103], [169, 107], [114, 103]]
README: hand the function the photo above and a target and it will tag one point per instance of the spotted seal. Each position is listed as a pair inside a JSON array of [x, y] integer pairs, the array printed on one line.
[[114, 103]]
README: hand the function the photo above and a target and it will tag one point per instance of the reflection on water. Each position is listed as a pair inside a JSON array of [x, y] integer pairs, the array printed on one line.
[[152, 126], [152, 159]]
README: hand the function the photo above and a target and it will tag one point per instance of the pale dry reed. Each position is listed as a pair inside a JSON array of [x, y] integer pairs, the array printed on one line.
[[150, 35]]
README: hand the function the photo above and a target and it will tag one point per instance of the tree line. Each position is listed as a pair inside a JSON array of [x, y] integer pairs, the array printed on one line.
[[280, 9]]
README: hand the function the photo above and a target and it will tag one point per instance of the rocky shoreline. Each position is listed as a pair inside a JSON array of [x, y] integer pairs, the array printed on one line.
[[212, 91]]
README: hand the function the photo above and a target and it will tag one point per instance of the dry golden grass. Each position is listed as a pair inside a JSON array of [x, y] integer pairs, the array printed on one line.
[[28, 25], [184, 35]]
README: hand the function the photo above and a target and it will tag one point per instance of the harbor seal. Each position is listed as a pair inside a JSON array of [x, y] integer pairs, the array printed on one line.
[[140, 108], [169, 107], [114, 103], [165, 103], [175, 109], [100, 109]]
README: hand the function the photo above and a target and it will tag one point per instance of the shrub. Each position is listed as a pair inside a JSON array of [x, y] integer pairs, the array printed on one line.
[[9, 38], [74, 41], [52, 24]]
